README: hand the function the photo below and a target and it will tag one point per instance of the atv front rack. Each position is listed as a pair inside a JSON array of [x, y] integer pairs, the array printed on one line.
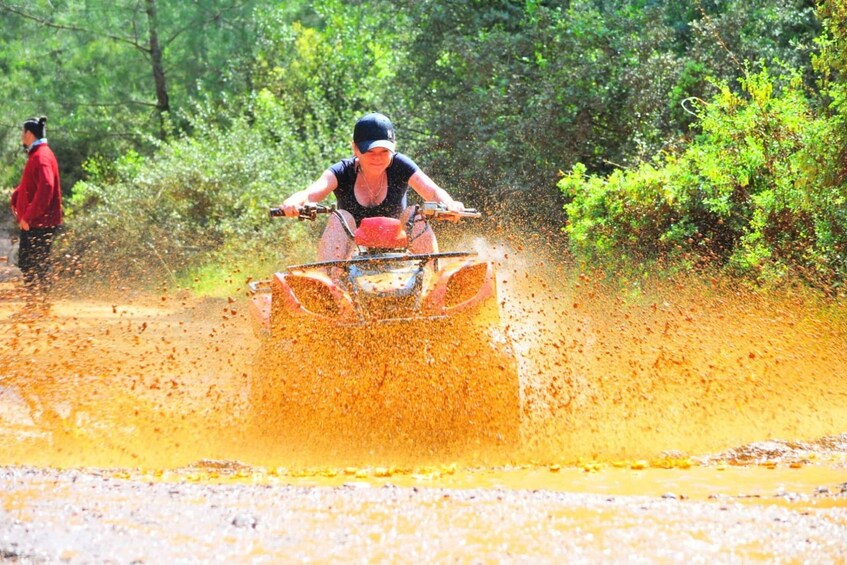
[[384, 258]]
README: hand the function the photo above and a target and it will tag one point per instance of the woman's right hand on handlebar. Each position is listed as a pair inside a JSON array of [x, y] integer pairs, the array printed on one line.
[[315, 193], [291, 206]]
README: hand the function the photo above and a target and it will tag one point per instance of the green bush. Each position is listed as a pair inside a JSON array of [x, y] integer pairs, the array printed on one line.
[[744, 195], [198, 200]]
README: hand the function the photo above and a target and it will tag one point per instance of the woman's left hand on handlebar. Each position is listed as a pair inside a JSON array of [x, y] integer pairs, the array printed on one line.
[[456, 207]]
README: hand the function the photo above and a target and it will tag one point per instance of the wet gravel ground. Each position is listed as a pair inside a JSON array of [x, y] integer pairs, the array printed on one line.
[[55, 516]]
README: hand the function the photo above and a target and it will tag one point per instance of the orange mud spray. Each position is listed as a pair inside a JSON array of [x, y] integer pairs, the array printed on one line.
[[672, 368], [633, 374]]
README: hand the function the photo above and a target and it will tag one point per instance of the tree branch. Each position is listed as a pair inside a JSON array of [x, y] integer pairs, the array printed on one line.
[[203, 21], [4, 7]]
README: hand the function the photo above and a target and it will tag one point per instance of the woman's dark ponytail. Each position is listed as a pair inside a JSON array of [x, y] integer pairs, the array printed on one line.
[[37, 126]]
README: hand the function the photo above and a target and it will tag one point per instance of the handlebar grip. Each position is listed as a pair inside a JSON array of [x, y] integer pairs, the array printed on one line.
[[307, 212]]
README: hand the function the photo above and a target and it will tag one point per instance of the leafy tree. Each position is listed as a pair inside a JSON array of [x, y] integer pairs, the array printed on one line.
[[201, 199], [493, 97], [328, 66], [729, 35], [511, 91], [831, 66], [110, 75]]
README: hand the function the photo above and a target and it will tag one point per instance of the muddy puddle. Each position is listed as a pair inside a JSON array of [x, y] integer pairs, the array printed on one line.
[[658, 424]]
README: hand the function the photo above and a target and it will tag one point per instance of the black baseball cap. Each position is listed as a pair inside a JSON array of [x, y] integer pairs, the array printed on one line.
[[373, 130]]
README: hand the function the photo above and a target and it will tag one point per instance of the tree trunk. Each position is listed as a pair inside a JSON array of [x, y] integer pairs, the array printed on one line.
[[162, 102]]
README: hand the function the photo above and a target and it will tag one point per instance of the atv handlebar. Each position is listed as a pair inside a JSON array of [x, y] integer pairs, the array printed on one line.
[[307, 212], [436, 210], [429, 210]]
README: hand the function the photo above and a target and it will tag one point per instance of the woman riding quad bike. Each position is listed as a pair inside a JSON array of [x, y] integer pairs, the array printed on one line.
[[385, 340], [372, 183]]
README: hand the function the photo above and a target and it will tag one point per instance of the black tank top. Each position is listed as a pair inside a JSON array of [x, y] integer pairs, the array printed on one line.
[[399, 172]]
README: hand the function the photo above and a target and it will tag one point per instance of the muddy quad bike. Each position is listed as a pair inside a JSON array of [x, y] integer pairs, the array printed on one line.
[[387, 347]]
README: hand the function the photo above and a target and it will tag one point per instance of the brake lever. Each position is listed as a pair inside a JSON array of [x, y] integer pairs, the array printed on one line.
[[308, 212]]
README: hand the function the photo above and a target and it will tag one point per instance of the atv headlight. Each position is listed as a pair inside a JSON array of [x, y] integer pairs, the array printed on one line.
[[465, 284], [313, 295]]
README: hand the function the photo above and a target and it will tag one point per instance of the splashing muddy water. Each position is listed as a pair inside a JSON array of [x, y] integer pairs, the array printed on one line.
[[164, 381], [687, 368], [695, 391]]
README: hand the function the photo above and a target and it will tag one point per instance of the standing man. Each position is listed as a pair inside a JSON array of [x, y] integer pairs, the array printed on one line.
[[37, 205]]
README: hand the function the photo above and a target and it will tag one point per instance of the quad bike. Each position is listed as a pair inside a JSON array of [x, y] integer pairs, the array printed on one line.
[[388, 347]]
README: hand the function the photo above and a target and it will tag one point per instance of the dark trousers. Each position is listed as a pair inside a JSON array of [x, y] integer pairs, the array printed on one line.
[[34, 259]]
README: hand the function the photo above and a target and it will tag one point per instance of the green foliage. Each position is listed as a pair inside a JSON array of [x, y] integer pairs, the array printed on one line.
[[88, 67], [197, 207], [744, 195], [187, 205], [831, 63], [492, 97], [512, 91], [321, 77], [730, 33], [830, 160]]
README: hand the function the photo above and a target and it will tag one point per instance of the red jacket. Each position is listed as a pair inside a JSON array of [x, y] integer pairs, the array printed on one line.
[[38, 198]]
